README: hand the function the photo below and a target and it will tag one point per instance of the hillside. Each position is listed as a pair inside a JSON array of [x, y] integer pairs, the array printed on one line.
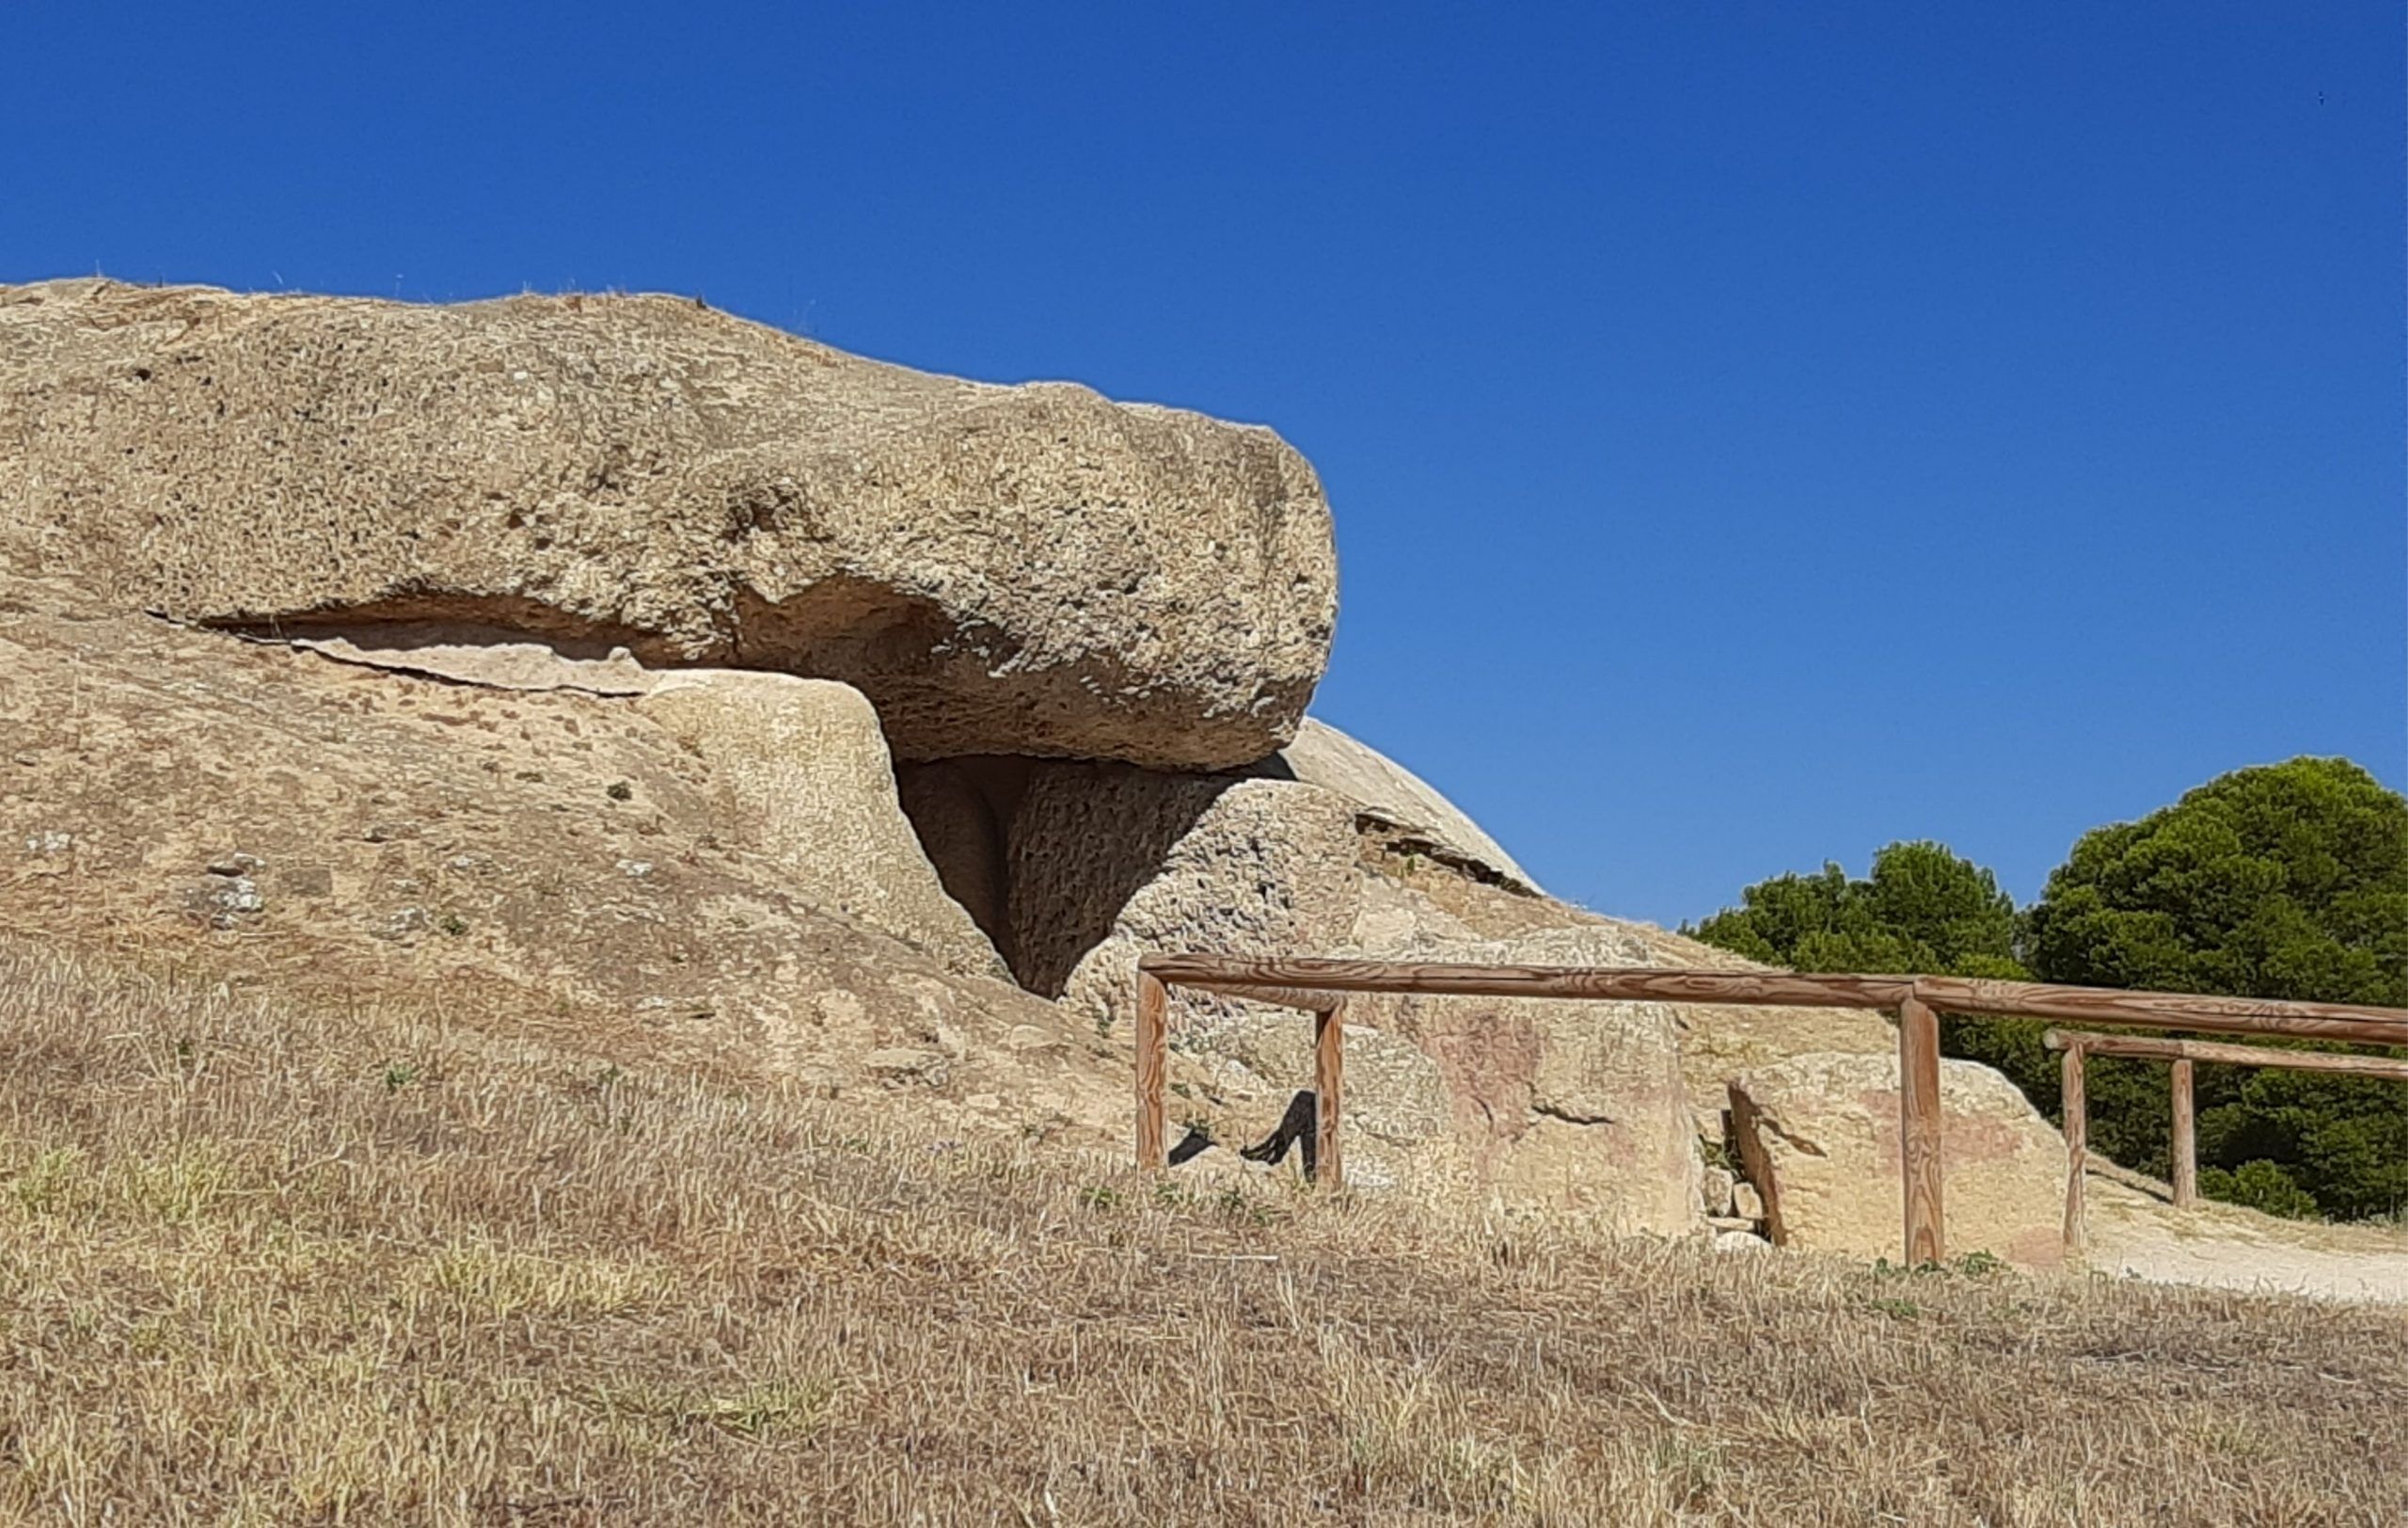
[[389, 1261]]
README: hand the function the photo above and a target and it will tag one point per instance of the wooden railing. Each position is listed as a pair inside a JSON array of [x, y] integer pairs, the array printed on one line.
[[1320, 986], [2078, 1046]]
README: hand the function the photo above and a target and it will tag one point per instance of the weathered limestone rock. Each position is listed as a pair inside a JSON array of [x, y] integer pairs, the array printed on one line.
[[1580, 1105], [1433, 906], [1001, 570], [803, 778], [1394, 796], [1108, 863], [1819, 1136], [437, 651], [1394, 1091]]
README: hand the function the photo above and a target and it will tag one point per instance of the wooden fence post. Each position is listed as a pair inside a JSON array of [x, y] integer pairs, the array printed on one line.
[[1919, 1166], [2077, 1111], [2186, 1141], [1153, 1004], [1329, 1080]]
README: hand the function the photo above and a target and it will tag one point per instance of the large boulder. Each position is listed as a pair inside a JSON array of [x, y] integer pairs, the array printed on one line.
[[802, 777], [1436, 905], [1580, 1106], [1818, 1136], [1026, 569]]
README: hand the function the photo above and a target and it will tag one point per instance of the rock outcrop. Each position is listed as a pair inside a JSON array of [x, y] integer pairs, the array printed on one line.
[[1582, 1108], [670, 677], [1818, 1135], [1395, 798], [548, 858], [1024, 569]]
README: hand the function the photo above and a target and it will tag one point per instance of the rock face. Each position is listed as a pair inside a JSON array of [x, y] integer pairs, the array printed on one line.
[[803, 779], [1581, 1107], [1001, 570], [1576, 1106], [1398, 799], [1818, 1135], [1109, 863]]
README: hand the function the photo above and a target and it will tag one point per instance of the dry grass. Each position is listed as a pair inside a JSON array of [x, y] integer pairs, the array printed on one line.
[[266, 1266]]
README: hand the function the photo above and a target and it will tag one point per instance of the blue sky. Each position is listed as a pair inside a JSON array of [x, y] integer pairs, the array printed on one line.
[[1756, 431]]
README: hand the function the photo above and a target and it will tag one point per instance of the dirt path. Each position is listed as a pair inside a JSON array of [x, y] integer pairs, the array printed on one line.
[[2135, 1235]]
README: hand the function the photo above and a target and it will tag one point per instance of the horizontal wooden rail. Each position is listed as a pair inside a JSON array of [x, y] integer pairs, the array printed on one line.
[[2183, 1055], [1292, 980], [2151, 1048], [2354, 1022], [1319, 985]]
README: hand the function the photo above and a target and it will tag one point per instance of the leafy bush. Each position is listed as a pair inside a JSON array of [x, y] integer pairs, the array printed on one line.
[[2261, 1186]]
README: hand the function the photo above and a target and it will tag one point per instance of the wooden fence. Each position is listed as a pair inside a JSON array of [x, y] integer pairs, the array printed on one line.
[[2078, 1046], [1320, 986]]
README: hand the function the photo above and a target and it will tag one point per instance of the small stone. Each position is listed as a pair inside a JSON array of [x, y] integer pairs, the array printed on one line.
[[1717, 1186], [1740, 1241], [1028, 1037], [1747, 1202], [404, 922], [235, 864], [223, 898], [1732, 1222], [45, 845], [635, 869]]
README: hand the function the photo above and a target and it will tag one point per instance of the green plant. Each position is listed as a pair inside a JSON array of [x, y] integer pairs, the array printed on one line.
[[2283, 881], [398, 1076], [2261, 1186], [1922, 908], [452, 924]]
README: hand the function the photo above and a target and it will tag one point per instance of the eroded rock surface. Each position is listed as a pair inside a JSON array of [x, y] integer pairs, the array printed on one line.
[[1819, 1136], [1398, 800], [1001, 570], [549, 858], [803, 778], [1581, 1107]]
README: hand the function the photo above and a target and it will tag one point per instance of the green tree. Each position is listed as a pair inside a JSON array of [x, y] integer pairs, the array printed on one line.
[[1925, 909], [2283, 881], [1922, 908]]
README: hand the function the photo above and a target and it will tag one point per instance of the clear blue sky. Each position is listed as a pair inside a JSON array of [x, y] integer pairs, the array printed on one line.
[[1756, 431]]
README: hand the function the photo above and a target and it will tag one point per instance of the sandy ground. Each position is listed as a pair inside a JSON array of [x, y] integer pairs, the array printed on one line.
[[2133, 1234]]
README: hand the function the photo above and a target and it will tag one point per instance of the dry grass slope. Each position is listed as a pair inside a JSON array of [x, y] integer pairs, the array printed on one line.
[[266, 1266]]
